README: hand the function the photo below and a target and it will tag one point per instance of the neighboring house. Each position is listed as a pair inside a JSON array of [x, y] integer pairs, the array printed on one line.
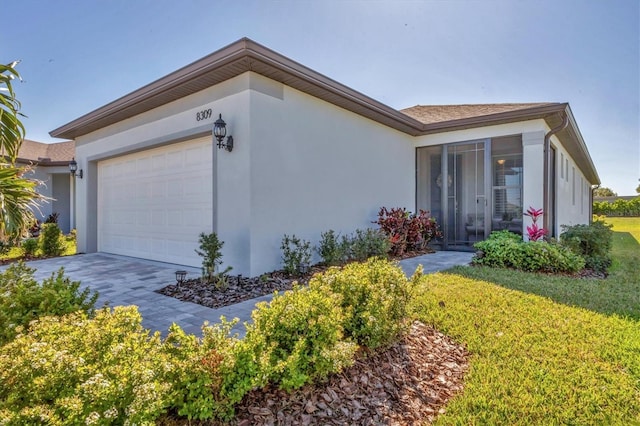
[[50, 163], [310, 154]]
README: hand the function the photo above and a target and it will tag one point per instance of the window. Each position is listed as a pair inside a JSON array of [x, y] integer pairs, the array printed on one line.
[[566, 167], [507, 187], [573, 185], [581, 195], [561, 166]]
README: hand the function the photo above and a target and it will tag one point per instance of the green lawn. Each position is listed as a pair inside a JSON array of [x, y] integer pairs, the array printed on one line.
[[17, 253], [545, 350]]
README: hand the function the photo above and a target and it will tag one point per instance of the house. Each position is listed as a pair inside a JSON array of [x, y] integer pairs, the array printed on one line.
[[50, 165], [309, 154]]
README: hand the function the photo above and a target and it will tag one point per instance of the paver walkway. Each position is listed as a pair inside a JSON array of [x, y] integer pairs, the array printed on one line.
[[124, 280]]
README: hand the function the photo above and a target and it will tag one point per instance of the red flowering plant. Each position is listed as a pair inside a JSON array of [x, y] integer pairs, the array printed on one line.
[[535, 233]]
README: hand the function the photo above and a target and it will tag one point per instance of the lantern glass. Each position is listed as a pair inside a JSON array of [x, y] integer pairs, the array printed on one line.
[[180, 276], [219, 129], [73, 166]]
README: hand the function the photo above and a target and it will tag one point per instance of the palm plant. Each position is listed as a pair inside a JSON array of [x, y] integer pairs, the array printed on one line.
[[18, 195]]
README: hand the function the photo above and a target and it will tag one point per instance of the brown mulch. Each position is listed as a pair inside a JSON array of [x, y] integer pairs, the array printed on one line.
[[406, 384], [238, 289], [241, 288]]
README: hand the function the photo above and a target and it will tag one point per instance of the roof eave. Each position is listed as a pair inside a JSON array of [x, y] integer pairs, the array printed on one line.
[[242, 56]]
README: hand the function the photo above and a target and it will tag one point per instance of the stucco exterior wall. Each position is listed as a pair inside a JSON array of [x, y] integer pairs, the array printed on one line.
[[572, 188], [315, 167], [299, 166], [46, 189], [61, 188], [171, 123]]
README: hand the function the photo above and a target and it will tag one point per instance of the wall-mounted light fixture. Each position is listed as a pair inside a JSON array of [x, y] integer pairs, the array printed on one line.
[[219, 132], [73, 168]]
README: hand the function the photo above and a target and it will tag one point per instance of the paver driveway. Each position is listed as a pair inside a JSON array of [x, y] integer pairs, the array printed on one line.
[[122, 280]]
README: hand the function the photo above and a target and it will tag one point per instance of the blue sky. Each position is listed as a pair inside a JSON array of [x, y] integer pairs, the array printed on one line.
[[78, 55]]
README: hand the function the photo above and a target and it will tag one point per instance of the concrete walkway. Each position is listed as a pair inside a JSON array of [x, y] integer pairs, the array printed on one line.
[[122, 280]]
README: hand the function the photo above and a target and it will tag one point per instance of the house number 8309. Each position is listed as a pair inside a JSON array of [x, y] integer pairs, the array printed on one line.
[[203, 115]]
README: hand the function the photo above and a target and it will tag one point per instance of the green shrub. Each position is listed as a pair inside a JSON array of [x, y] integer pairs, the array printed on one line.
[[593, 242], [30, 246], [374, 297], [23, 300], [499, 250], [211, 253], [541, 256], [51, 241], [359, 246], [201, 367], [331, 249], [366, 243], [5, 246], [504, 249], [296, 254], [619, 207], [75, 370], [296, 338]]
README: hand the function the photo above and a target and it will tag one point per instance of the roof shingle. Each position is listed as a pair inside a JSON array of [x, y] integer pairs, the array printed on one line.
[[46, 153], [429, 114]]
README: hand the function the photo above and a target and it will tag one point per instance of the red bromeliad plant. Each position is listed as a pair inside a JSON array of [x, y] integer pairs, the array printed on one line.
[[535, 233], [407, 231]]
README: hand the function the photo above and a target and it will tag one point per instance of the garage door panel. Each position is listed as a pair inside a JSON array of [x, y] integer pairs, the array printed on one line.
[[154, 204]]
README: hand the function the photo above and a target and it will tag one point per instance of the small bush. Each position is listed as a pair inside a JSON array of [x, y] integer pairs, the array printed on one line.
[[407, 231], [593, 242], [296, 254], [201, 367], [541, 256], [296, 338], [374, 297], [30, 246], [366, 243], [23, 300], [499, 250], [76, 370], [52, 218], [211, 253], [504, 249], [331, 249], [51, 241]]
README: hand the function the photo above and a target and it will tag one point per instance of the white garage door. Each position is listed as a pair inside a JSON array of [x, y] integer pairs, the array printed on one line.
[[153, 204]]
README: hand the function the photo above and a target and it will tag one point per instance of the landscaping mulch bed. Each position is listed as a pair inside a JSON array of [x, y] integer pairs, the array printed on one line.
[[244, 288], [406, 384], [239, 288], [409, 383]]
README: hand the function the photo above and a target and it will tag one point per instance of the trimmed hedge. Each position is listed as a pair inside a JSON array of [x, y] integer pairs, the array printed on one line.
[[620, 207]]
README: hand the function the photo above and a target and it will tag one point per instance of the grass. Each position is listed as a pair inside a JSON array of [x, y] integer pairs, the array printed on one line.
[[545, 350], [618, 294], [17, 253]]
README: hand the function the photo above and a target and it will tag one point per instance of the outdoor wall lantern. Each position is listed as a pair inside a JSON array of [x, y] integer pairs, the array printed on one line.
[[73, 168], [219, 132], [181, 276]]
